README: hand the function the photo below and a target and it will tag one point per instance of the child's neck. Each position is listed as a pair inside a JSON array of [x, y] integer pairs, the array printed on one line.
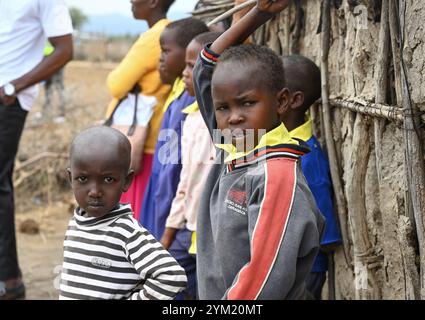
[[293, 123]]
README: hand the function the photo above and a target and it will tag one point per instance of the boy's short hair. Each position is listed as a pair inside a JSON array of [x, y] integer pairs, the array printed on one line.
[[186, 29], [166, 4], [98, 135], [269, 63], [207, 37], [302, 74]]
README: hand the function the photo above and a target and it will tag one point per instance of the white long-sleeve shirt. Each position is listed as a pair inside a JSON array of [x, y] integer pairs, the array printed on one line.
[[113, 257], [198, 154]]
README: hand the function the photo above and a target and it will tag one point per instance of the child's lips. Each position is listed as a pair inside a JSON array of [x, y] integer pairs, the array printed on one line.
[[238, 133], [95, 204]]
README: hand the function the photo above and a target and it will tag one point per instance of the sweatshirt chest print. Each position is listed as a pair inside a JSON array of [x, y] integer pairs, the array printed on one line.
[[236, 201], [101, 263]]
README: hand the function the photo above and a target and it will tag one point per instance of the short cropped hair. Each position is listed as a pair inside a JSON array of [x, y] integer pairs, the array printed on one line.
[[207, 37], [302, 74], [186, 29], [269, 63]]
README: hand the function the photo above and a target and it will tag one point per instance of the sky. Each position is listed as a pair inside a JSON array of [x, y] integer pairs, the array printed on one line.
[[101, 7]]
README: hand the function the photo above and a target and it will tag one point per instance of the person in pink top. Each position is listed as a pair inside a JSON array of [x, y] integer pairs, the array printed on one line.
[[198, 154]]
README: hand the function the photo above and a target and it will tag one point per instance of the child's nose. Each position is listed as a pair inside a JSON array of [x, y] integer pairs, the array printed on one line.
[[95, 191], [185, 73], [235, 117]]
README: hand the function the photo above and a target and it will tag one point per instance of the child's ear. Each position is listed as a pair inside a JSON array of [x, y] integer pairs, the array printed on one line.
[[69, 175], [297, 99], [153, 3], [128, 180], [283, 98]]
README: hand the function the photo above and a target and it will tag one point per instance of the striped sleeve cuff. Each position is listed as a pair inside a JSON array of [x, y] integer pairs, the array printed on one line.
[[208, 56]]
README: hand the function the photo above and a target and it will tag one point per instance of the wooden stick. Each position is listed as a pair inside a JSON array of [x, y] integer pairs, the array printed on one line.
[[295, 41], [381, 81], [39, 157], [406, 236], [229, 13], [414, 156], [213, 8], [334, 165], [371, 109], [331, 276], [366, 287], [395, 45]]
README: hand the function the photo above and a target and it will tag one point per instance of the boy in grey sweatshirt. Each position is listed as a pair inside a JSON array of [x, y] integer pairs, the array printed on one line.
[[258, 225]]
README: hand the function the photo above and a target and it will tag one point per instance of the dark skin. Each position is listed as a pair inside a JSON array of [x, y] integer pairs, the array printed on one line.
[[99, 172], [192, 53], [149, 10], [239, 102], [172, 59], [302, 78], [257, 16], [244, 105], [295, 116], [45, 69]]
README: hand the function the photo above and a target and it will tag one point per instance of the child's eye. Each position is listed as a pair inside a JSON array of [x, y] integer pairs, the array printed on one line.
[[81, 179], [109, 179], [220, 107], [248, 103]]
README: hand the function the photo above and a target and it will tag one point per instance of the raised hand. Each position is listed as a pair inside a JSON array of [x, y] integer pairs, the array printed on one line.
[[272, 6]]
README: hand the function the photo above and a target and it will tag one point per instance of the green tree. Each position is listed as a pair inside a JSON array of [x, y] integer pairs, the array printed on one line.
[[78, 17]]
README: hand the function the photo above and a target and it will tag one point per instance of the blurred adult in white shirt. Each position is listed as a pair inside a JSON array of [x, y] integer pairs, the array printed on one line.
[[24, 27]]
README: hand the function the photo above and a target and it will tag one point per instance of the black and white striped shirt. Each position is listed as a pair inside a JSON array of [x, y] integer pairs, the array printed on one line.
[[113, 257]]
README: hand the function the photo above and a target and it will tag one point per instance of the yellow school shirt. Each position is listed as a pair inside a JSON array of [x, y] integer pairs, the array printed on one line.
[[140, 65], [176, 91], [278, 135], [304, 132]]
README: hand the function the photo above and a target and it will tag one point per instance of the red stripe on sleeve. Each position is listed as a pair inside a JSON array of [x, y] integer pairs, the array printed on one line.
[[210, 56], [269, 230]]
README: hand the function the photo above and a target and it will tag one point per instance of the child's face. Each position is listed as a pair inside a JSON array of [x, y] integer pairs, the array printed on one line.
[[242, 102], [172, 59], [140, 9], [98, 182], [192, 52]]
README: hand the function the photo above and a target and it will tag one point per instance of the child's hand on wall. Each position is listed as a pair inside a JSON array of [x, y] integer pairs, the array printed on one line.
[[272, 6]]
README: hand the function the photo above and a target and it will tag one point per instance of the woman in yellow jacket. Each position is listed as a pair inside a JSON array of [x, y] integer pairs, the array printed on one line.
[[140, 66]]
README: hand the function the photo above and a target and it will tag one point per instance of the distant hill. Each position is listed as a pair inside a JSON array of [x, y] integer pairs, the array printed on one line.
[[117, 24]]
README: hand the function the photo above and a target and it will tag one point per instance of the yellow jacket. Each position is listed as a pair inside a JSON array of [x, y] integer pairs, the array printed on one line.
[[140, 65]]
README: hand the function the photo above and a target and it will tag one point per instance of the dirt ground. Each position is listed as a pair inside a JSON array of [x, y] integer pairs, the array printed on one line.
[[42, 193]]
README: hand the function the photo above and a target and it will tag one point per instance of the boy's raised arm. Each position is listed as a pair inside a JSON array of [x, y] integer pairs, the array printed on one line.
[[203, 71], [257, 16]]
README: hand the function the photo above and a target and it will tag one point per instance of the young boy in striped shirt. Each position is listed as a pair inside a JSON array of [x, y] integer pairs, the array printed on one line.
[[107, 254]]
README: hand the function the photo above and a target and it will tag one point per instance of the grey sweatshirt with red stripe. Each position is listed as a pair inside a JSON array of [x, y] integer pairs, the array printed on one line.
[[258, 227]]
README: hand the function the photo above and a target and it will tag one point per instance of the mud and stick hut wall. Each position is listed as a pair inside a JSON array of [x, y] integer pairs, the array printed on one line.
[[370, 121]]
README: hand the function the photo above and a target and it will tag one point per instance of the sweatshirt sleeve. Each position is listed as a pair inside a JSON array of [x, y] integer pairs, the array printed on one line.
[[284, 235], [202, 75], [162, 276]]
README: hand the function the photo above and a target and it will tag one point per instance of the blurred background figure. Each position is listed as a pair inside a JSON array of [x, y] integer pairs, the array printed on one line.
[[54, 83], [24, 27]]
